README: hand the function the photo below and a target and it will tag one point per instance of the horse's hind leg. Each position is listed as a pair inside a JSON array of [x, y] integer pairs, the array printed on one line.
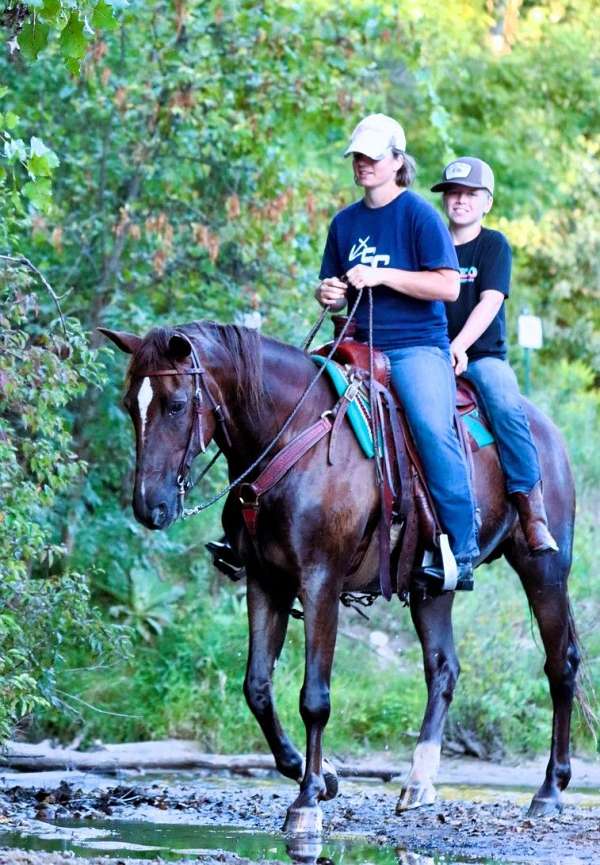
[[320, 601], [432, 618], [268, 619], [544, 581]]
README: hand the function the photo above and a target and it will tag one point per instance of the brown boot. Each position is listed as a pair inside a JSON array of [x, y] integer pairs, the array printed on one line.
[[534, 522]]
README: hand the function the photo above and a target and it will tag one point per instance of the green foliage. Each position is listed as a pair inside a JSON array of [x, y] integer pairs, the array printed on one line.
[[149, 604], [44, 608], [181, 161], [25, 176], [73, 22], [189, 684]]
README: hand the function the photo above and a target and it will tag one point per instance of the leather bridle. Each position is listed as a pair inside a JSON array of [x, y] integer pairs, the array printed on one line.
[[196, 433]]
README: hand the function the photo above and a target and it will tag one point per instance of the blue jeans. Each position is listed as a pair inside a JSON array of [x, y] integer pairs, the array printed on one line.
[[424, 381], [498, 389]]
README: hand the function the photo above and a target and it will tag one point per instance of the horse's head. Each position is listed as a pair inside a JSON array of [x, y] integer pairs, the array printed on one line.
[[173, 412]]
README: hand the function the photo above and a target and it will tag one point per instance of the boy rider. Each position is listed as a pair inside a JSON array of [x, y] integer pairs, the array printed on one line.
[[477, 328]]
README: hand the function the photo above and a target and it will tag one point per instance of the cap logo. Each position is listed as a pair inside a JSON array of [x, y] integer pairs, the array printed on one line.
[[458, 169]]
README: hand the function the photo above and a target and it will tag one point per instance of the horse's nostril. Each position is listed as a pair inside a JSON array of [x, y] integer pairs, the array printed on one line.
[[159, 515]]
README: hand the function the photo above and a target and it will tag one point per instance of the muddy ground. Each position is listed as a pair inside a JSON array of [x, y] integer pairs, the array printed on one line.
[[497, 829]]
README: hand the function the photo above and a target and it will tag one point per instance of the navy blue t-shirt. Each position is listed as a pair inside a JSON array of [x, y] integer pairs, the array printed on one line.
[[485, 263], [407, 234]]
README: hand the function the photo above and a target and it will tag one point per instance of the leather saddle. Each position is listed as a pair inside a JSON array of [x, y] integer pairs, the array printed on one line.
[[356, 354], [351, 353]]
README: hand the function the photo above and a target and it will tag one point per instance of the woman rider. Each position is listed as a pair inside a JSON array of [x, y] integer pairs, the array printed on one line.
[[394, 242]]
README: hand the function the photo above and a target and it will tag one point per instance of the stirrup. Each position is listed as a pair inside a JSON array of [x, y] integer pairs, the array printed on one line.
[[225, 560], [440, 572], [440, 567]]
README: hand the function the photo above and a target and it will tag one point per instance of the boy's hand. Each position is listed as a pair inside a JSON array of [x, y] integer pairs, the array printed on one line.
[[459, 358]]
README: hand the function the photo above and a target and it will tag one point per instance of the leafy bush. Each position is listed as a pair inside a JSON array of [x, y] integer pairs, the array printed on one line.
[[43, 607]]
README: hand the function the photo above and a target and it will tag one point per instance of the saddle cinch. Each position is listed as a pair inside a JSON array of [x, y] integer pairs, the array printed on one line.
[[473, 430]]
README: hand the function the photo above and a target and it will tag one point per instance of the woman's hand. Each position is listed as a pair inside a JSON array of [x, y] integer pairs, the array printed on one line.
[[361, 276], [459, 358], [332, 292]]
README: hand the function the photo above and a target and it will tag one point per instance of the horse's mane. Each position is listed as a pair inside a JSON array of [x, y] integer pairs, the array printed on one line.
[[242, 344]]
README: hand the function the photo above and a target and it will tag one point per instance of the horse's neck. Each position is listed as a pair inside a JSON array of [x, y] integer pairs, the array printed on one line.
[[286, 375]]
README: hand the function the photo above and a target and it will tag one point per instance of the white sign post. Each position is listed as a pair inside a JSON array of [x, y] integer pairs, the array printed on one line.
[[530, 337]]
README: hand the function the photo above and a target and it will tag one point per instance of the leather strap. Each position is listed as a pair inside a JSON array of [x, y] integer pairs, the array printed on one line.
[[339, 419], [281, 463], [197, 371], [405, 502], [340, 410], [385, 522], [191, 370]]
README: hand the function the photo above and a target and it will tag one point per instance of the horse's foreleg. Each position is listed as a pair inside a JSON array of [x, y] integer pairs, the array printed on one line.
[[551, 608], [268, 624], [432, 618], [320, 604]]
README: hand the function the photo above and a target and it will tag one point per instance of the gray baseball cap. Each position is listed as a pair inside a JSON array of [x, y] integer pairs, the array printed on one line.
[[466, 171]]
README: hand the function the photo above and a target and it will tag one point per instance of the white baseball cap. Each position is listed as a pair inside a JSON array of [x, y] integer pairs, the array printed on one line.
[[375, 135]]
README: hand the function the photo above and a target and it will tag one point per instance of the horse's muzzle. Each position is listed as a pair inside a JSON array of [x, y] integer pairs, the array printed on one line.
[[154, 516]]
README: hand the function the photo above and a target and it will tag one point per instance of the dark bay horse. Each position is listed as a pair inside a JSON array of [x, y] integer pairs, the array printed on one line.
[[313, 529]]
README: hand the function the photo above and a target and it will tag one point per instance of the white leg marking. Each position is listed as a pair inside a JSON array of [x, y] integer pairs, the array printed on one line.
[[425, 762], [145, 395]]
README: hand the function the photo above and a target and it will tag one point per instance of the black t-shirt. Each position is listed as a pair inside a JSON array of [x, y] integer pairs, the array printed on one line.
[[485, 263]]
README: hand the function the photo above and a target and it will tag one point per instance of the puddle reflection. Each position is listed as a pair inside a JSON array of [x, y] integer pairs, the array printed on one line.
[[172, 842]]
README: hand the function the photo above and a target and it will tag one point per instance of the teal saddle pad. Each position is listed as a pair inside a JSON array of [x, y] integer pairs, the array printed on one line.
[[476, 429], [358, 410]]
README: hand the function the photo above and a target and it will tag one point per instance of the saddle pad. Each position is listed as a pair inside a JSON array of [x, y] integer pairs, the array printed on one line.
[[357, 408], [481, 435]]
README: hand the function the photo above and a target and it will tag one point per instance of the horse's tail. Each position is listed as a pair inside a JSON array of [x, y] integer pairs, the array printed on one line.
[[585, 693]]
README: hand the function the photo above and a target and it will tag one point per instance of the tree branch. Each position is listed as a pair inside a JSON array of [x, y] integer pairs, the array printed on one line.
[[21, 261]]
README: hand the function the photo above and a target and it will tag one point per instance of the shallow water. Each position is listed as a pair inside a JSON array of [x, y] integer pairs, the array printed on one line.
[[483, 822], [120, 838]]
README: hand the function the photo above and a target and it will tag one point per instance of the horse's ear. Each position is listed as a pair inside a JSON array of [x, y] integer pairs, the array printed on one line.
[[180, 347], [127, 342]]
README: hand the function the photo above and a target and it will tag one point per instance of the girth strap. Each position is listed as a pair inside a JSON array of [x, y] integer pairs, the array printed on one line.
[[282, 462]]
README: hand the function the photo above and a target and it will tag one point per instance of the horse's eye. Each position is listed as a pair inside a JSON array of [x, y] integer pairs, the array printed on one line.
[[177, 407]]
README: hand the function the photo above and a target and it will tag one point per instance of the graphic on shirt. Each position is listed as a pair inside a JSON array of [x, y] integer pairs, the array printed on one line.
[[468, 274], [367, 254]]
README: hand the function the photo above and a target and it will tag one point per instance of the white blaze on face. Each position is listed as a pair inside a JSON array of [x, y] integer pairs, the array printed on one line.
[[145, 395]]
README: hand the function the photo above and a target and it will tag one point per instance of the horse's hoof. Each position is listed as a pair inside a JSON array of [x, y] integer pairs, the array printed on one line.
[[331, 780], [540, 807], [303, 821], [415, 796]]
